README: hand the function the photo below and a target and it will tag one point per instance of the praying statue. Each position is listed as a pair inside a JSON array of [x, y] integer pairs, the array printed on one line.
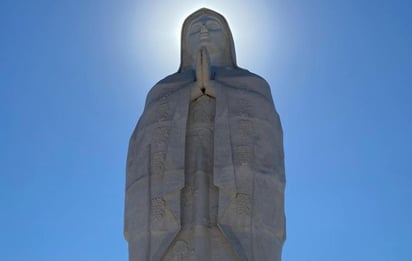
[[205, 168]]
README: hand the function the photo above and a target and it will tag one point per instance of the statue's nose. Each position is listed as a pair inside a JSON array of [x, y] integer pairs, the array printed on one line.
[[203, 29]]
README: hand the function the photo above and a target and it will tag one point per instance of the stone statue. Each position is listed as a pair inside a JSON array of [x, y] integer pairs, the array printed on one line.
[[205, 169]]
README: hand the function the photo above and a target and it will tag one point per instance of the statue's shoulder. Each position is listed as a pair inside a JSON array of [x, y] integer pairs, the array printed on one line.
[[178, 77], [240, 74], [169, 85], [240, 78]]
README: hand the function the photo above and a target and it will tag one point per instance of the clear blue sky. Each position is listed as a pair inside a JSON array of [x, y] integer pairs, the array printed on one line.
[[74, 75]]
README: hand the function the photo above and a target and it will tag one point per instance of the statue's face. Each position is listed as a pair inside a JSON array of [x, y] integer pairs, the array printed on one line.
[[206, 31]]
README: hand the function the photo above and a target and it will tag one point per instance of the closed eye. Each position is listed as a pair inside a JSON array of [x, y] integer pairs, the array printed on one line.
[[195, 28], [213, 25]]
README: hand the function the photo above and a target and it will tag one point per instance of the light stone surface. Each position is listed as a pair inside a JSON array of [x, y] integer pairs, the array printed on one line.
[[205, 169]]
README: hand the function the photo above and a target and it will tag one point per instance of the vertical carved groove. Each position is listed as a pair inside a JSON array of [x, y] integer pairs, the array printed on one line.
[[200, 238]]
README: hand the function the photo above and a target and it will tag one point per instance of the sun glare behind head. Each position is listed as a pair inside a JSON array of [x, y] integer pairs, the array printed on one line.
[[158, 32]]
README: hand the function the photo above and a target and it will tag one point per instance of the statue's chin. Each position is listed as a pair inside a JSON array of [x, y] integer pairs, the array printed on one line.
[[212, 48], [205, 43], [216, 56]]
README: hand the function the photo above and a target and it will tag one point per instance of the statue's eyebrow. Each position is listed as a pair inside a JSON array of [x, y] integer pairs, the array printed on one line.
[[200, 21], [214, 20]]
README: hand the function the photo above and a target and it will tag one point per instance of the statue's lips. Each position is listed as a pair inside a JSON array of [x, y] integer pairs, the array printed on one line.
[[204, 36]]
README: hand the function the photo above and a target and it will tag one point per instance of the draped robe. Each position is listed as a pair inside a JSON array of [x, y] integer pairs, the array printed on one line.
[[247, 168]]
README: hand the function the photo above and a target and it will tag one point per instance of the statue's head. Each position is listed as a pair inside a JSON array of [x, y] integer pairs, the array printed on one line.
[[207, 29]]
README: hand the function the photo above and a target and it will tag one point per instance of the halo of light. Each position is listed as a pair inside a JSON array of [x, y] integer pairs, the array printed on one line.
[[159, 24]]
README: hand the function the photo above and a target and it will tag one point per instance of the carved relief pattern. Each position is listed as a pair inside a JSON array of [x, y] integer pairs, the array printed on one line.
[[242, 204], [161, 134], [158, 152], [181, 252], [246, 129], [157, 163], [157, 210], [243, 148], [245, 105], [244, 151], [163, 110], [244, 154]]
